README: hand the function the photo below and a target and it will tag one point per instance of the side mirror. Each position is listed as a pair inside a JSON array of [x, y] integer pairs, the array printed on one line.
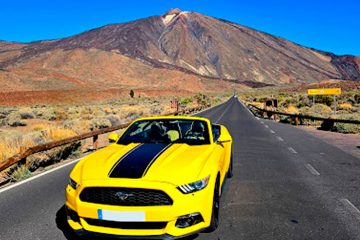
[[113, 137], [223, 139]]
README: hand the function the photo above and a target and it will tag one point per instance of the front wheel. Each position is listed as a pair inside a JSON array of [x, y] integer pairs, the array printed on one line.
[[215, 209]]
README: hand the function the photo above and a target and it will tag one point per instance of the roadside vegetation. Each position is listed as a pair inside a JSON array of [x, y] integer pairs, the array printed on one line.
[[348, 106], [27, 126]]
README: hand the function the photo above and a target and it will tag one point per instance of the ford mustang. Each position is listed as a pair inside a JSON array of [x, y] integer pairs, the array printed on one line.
[[161, 179]]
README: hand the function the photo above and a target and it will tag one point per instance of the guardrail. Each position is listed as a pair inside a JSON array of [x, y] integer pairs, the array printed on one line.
[[327, 122], [21, 157]]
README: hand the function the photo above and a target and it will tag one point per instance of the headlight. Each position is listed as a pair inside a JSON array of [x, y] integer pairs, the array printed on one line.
[[195, 186], [73, 184]]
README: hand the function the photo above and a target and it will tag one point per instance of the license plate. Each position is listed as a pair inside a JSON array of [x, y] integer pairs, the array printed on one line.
[[119, 216]]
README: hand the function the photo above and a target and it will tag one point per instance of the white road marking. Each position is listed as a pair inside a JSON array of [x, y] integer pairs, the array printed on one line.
[[266, 126], [246, 108], [292, 150], [351, 207], [312, 169], [280, 139], [262, 122], [222, 115], [37, 176], [257, 118], [272, 131]]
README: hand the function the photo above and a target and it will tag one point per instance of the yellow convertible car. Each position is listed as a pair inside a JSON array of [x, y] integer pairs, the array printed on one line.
[[161, 179]]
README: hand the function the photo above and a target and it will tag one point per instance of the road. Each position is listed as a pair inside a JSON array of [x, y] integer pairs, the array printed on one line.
[[287, 184]]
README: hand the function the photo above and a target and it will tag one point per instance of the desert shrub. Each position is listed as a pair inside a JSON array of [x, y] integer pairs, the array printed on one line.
[[57, 133], [47, 114], [304, 110], [114, 120], [262, 99], [303, 101], [287, 102], [39, 127], [202, 99], [324, 99], [73, 111], [345, 106], [133, 114], [20, 173], [2, 122], [99, 112], [77, 125], [320, 109], [108, 110], [61, 114], [100, 123], [26, 114], [185, 101], [346, 128], [291, 109], [14, 120], [357, 98]]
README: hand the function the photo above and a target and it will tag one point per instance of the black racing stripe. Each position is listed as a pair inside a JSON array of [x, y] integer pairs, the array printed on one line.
[[136, 162]]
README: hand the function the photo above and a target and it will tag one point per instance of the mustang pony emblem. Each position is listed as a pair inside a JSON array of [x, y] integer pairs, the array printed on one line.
[[123, 196]]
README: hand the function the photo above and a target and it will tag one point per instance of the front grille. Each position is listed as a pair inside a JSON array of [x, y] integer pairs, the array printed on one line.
[[126, 225], [125, 196]]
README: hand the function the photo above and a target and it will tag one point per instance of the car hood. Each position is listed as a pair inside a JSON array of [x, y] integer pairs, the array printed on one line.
[[175, 163]]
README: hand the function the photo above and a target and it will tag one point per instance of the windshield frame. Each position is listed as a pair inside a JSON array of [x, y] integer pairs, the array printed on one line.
[[206, 123]]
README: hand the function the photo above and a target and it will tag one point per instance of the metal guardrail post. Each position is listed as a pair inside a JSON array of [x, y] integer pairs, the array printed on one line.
[[96, 142], [296, 120]]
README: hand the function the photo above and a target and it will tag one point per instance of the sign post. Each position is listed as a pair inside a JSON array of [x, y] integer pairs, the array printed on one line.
[[325, 91]]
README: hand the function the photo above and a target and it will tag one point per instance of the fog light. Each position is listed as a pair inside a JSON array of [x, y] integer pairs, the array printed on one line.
[[189, 220], [72, 215]]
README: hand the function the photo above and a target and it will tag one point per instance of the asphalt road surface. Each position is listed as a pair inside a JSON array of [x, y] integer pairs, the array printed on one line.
[[286, 185]]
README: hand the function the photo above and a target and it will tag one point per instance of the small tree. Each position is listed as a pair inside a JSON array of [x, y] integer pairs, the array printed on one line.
[[132, 93]]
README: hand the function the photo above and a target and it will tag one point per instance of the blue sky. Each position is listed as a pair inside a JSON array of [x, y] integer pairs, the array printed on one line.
[[329, 25]]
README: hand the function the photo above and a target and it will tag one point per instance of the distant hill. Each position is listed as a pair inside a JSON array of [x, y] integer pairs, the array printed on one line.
[[179, 51]]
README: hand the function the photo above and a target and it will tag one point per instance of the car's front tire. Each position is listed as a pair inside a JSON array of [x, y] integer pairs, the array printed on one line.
[[215, 208]]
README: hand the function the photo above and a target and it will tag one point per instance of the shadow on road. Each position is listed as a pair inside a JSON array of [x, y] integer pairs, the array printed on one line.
[[61, 223]]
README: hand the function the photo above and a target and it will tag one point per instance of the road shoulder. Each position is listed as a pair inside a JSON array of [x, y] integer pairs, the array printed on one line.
[[349, 143]]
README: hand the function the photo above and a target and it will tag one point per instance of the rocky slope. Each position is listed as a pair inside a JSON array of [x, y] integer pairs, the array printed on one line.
[[180, 50]]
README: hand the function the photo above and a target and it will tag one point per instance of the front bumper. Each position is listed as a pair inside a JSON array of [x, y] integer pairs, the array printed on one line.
[[91, 235], [183, 204]]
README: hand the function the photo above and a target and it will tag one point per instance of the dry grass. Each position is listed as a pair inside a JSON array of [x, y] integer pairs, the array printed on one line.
[[292, 109], [11, 145], [58, 133], [345, 106]]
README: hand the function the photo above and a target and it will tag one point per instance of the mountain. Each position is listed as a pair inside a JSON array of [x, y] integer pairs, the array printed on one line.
[[176, 51]]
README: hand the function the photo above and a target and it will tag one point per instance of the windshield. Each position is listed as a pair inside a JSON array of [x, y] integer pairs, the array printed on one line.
[[192, 132]]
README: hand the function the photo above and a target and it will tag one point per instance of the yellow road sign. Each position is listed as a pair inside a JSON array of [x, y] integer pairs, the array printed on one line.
[[324, 91]]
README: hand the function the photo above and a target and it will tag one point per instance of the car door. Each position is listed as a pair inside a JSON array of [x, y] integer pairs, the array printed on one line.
[[219, 152]]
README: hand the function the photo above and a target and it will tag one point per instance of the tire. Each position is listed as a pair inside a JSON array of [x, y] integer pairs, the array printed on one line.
[[230, 173], [215, 208]]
